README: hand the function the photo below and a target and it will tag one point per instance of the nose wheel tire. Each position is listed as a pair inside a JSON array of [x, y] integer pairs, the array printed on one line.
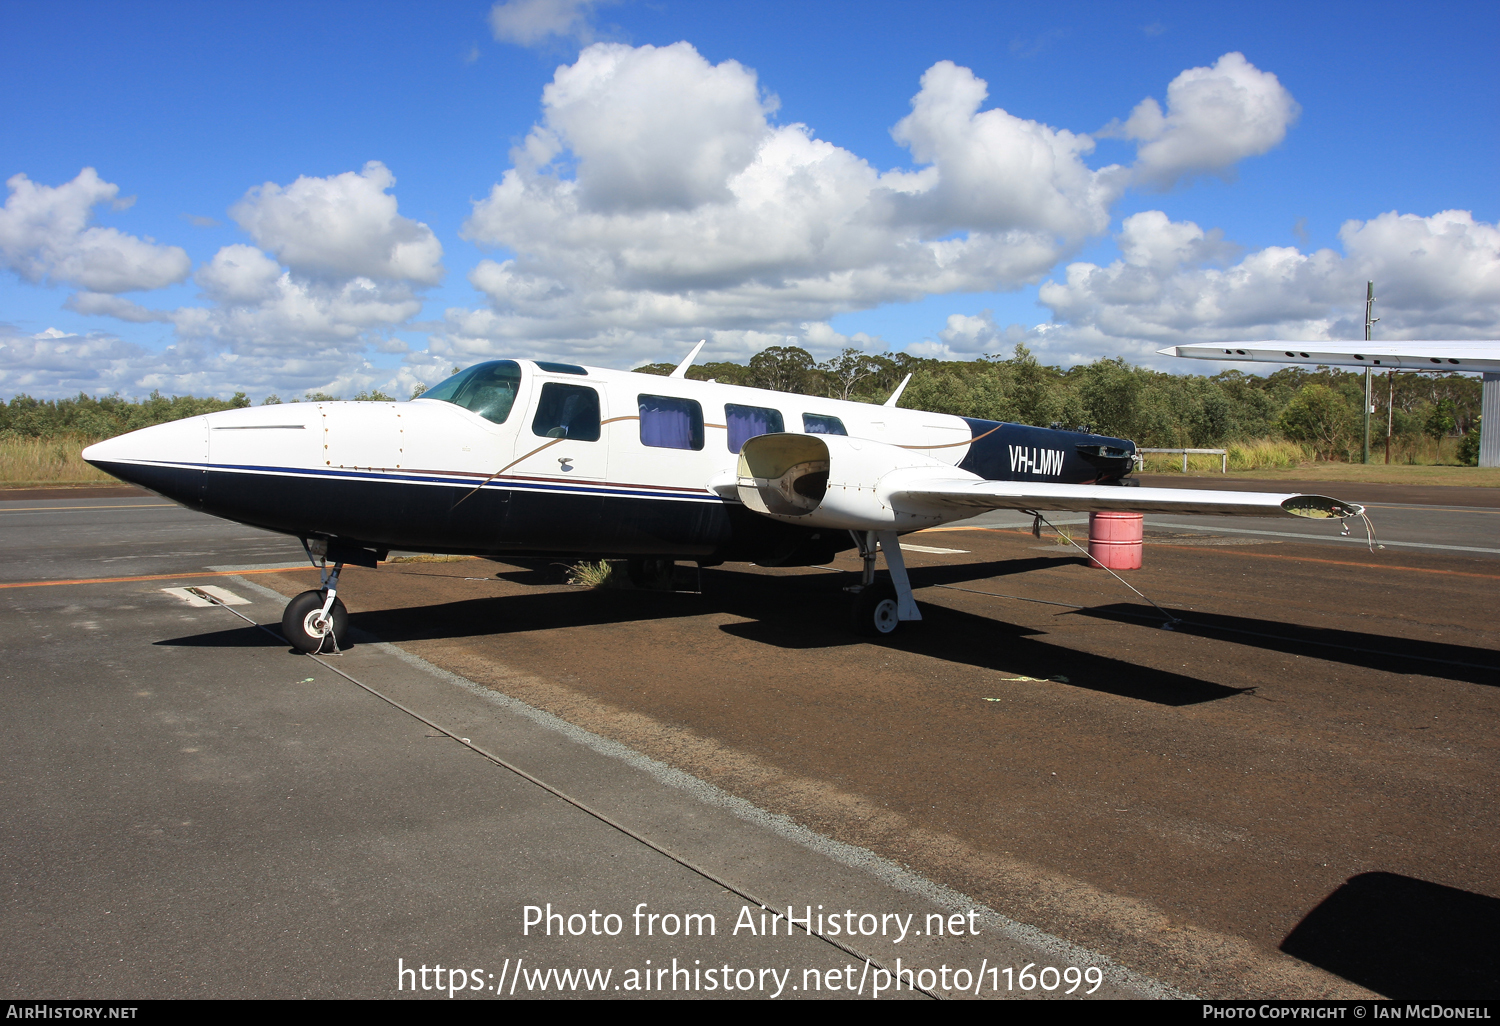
[[303, 627], [874, 611]]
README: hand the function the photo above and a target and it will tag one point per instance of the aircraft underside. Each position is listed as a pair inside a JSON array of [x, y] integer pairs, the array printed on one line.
[[373, 515]]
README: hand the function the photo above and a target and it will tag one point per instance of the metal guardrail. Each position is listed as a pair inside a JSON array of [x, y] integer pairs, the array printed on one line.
[[1197, 452]]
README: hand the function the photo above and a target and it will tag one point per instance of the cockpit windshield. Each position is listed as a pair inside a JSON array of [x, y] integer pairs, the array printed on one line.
[[488, 389]]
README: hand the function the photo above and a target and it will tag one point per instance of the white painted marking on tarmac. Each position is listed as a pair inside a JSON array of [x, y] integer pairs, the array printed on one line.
[[224, 596], [183, 595], [932, 549]]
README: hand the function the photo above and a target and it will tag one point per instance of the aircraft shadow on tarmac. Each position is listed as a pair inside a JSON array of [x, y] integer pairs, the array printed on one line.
[[801, 612], [234, 637], [809, 613], [1354, 648], [955, 573], [1405, 938]]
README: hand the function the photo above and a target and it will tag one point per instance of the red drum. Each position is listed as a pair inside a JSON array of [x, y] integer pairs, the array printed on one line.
[[1115, 540]]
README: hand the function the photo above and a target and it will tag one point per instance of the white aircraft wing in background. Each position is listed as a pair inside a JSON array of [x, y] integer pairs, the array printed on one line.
[[1453, 356], [1475, 357]]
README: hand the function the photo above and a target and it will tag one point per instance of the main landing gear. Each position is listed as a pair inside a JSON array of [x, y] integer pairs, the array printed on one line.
[[316, 621], [879, 607], [650, 573]]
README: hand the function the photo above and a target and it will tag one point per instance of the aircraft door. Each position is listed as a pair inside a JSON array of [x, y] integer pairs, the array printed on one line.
[[565, 441], [561, 462]]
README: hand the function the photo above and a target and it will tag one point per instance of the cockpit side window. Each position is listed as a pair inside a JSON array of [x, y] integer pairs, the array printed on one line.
[[567, 411], [488, 389]]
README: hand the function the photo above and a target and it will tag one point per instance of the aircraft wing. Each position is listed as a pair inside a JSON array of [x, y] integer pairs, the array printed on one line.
[[968, 494], [1419, 355], [863, 485]]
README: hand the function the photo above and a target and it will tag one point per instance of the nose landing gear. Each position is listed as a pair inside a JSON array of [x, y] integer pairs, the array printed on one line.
[[316, 621]]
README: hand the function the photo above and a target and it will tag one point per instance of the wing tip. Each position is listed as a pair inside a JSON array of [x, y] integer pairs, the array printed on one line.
[[1321, 507]]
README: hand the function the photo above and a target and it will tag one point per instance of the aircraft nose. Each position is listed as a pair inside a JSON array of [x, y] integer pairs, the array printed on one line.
[[166, 458]]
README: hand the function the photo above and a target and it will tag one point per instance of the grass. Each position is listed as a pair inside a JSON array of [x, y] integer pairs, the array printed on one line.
[[1375, 473], [428, 559], [1423, 460], [600, 574], [29, 462]]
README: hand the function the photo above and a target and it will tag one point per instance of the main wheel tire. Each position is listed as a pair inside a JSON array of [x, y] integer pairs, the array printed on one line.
[[300, 626], [874, 611]]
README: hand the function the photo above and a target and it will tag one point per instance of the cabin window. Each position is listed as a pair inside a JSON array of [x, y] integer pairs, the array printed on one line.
[[561, 368], [745, 422], [670, 423], [817, 424], [488, 389], [567, 411]]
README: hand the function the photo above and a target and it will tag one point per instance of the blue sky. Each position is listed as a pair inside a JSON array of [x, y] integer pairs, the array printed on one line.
[[1385, 110]]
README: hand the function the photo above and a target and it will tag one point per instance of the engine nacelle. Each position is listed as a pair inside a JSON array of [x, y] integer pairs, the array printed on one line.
[[839, 482]]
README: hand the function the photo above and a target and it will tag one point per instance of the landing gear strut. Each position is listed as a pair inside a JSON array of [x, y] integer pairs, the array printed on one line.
[[880, 606], [316, 621]]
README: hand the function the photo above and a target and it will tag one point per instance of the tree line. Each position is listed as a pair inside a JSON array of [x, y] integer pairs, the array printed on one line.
[[1320, 408]]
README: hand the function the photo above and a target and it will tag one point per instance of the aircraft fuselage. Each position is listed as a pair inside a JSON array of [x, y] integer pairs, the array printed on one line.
[[524, 458]]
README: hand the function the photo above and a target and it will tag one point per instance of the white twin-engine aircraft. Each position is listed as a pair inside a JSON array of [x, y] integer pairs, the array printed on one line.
[[531, 458]]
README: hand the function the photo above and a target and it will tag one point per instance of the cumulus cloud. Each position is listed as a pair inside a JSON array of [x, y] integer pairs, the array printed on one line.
[[336, 270], [533, 22], [656, 198], [45, 237], [993, 171], [52, 364], [1215, 117], [967, 336], [652, 128], [1436, 277], [102, 304], [340, 227], [239, 274], [351, 270], [294, 313]]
